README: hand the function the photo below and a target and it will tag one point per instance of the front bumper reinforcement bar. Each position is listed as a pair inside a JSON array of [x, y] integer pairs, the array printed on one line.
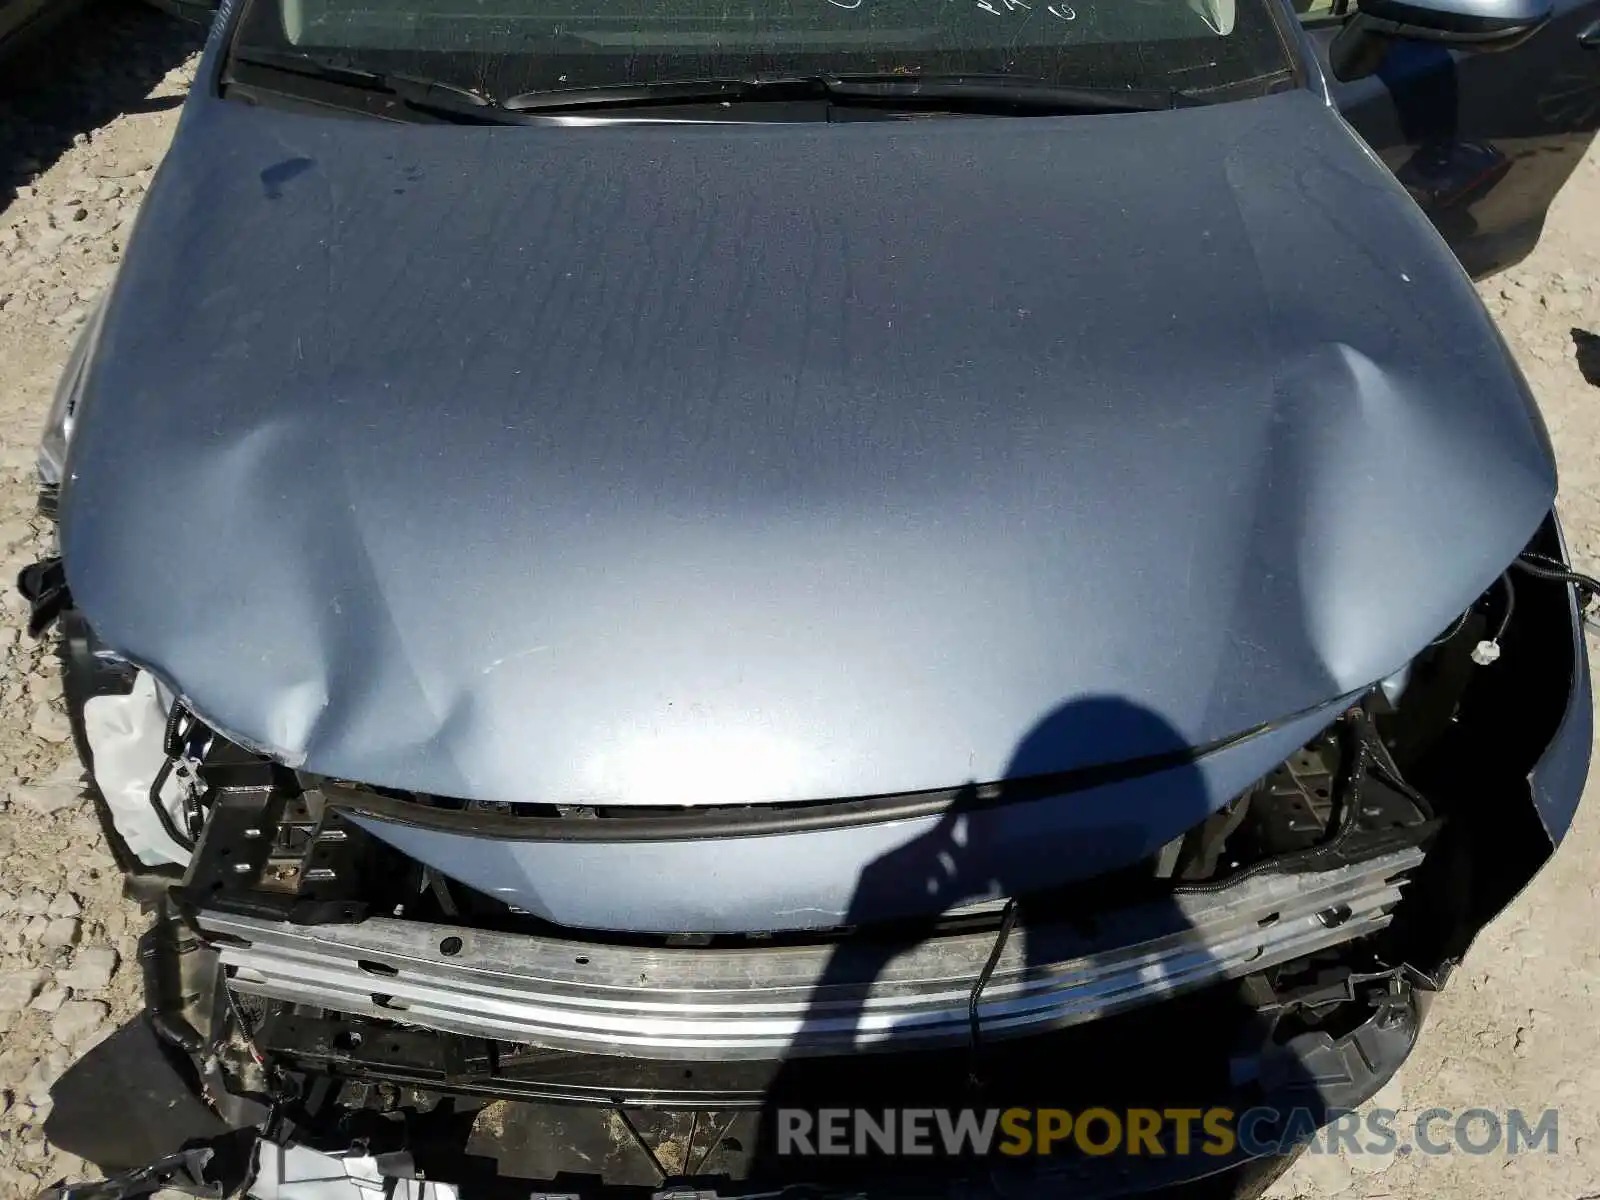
[[778, 1001]]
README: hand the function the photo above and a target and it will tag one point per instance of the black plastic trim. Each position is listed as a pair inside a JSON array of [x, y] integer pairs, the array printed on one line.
[[620, 824], [633, 824]]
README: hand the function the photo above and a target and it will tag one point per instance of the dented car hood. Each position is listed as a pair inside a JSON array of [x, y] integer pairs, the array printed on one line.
[[692, 464]]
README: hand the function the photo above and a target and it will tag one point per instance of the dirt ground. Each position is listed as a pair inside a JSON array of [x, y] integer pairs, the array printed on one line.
[[85, 117]]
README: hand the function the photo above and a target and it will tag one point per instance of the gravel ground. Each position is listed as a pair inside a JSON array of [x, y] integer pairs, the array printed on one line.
[[84, 118]]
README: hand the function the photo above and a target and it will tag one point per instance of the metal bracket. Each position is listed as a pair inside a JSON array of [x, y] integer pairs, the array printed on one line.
[[183, 1172]]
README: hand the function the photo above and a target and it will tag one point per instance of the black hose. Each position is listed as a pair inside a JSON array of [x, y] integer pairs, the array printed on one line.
[[1008, 921], [163, 773], [1390, 770], [1541, 567], [1358, 737], [172, 742], [172, 739]]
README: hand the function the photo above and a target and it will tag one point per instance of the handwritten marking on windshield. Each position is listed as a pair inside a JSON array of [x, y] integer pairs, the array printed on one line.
[[1062, 12]]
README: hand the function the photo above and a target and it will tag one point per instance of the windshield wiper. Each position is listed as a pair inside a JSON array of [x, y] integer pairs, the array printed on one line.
[[955, 93], [417, 94], [944, 93]]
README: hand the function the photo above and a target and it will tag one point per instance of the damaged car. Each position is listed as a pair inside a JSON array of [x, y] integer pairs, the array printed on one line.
[[627, 570]]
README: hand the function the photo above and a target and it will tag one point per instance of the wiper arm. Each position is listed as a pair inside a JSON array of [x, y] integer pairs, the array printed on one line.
[[1001, 91], [421, 95], [986, 93], [964, 93]]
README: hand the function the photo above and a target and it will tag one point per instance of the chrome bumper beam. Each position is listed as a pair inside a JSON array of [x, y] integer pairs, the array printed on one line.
[[772, 1002]]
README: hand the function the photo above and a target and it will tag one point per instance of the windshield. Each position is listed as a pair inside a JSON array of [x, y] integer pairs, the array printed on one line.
[[505, 48]]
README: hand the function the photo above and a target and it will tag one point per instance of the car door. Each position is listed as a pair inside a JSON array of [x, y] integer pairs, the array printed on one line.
[[1482, 141]]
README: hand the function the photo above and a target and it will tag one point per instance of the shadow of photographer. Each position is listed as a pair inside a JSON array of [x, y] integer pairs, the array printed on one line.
[[990, 850], [854, 1047]]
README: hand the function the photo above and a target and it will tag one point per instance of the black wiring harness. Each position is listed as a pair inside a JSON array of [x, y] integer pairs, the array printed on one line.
[[1363, 753], [1364, 756], [181, 725], [1539, 566], [1008, 922], [1543, 567]]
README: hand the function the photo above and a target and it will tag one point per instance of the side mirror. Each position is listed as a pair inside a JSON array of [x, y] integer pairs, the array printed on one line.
[[1478, 25]]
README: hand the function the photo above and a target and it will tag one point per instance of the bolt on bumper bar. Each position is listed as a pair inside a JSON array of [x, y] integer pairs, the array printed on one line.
[[780, 1001]]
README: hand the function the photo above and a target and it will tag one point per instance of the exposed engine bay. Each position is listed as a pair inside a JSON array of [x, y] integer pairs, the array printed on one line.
[[320, 985]]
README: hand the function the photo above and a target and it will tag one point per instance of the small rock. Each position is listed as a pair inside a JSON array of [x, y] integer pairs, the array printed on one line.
[[76, 1019], [50, 725], [110, 168], [15, 1063], [50, 1000], [69, 772], [91, 970], [1327, 1173], [18, 988], [1373, 1162], [93, 1038], [47, 798], [34, 928], [61, 931], [64, 905], [32, 903], [49, 242]]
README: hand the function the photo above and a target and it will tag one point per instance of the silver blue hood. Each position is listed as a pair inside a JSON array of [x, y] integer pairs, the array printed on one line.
[[692, 464]]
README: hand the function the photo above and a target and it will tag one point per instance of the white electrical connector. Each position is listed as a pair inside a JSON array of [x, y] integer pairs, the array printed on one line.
[[1485, 653]]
